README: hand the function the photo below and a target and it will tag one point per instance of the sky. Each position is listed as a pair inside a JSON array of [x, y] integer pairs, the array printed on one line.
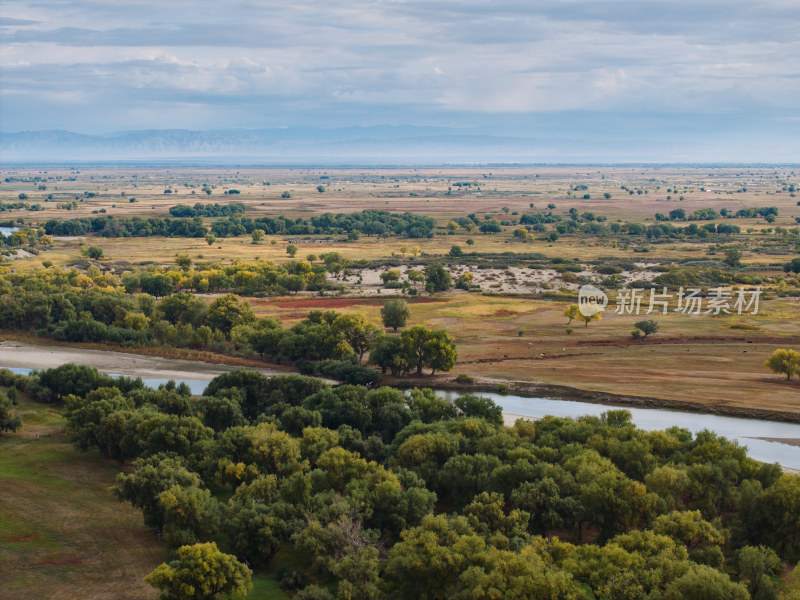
[[624, 68]]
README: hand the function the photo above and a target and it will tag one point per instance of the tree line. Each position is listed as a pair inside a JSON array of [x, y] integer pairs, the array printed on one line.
[[373, 494]]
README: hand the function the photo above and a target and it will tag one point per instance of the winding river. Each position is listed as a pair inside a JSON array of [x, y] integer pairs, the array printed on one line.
[[747, 432]]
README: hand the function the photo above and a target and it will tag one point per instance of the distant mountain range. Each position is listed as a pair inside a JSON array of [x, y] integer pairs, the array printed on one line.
[[386, 145], [360, 145]]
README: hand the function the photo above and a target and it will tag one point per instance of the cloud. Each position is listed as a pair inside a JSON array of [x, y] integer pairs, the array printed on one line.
[[477, 62]]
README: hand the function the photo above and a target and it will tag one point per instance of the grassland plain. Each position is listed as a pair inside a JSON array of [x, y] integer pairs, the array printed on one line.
[[63, 535], [717, 362]]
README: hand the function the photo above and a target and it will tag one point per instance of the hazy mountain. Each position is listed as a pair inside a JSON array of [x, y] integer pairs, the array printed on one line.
[[378, 145], [545, 142]]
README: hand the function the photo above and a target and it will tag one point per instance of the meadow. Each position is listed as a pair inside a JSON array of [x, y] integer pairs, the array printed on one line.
[[509, 327], [517, 333]]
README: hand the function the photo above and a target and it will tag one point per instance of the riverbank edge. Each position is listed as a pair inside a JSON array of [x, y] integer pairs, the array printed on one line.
[[529, 389]]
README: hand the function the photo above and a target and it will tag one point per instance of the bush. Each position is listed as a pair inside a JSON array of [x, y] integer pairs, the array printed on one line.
[[347, 370], [464, 378]]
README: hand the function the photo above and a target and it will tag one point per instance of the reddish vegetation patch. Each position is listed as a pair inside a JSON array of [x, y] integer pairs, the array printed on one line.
[[345, 302], [66, 560], [505, 313], [24, 538]]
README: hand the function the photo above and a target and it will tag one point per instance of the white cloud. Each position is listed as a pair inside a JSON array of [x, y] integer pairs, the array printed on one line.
[[394, 61]]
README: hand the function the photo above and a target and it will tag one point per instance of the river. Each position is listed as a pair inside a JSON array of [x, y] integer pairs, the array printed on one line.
[[746, 431]]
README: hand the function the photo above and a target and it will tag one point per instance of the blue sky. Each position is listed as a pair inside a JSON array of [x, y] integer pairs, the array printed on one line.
[[628, 68]]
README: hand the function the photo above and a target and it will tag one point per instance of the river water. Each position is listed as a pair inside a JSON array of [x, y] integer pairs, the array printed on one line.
[[745, 431]]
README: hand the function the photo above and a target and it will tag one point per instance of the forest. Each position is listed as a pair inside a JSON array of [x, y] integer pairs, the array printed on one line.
[[352, 492]]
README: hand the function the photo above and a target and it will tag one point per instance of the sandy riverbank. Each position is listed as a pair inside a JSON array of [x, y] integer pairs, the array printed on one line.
[[789, 441], [32, 356]]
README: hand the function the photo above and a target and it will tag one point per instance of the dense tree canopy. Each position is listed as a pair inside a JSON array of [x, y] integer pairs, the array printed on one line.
[[412, 495]]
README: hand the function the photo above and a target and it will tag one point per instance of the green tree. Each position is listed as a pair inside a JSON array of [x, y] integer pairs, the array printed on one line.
[[226, 312], [210, 239], [648, 327], [424, 347], [201, 572], [152, 476], [258, 236], [8, 422], [784, 362], [395, 314], [757, 565], [357, 331], [94, 252], [183, 261], [438, 277], [733, 256], [387, 352], [439, 351], [703, 582], [291, 250], [390, 275], [414, 345], [191, 514], [793, 266]]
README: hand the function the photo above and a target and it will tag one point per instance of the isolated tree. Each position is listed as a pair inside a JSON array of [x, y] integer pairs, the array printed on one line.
[[201, 572], [210, 239], [784, 362], [456, 251], [258, 236], [291, 250], [395, 313], [733, 256], [593, 317], [438, 278], [320, 188], [94, 252], [573, 311], [647, 327]]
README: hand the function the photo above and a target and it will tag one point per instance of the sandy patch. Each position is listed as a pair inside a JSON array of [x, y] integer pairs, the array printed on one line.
[[789, 441], [30, 356], [510, 418]]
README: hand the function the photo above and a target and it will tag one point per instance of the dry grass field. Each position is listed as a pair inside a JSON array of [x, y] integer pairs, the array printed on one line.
[[62, 533], [714, 361]]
